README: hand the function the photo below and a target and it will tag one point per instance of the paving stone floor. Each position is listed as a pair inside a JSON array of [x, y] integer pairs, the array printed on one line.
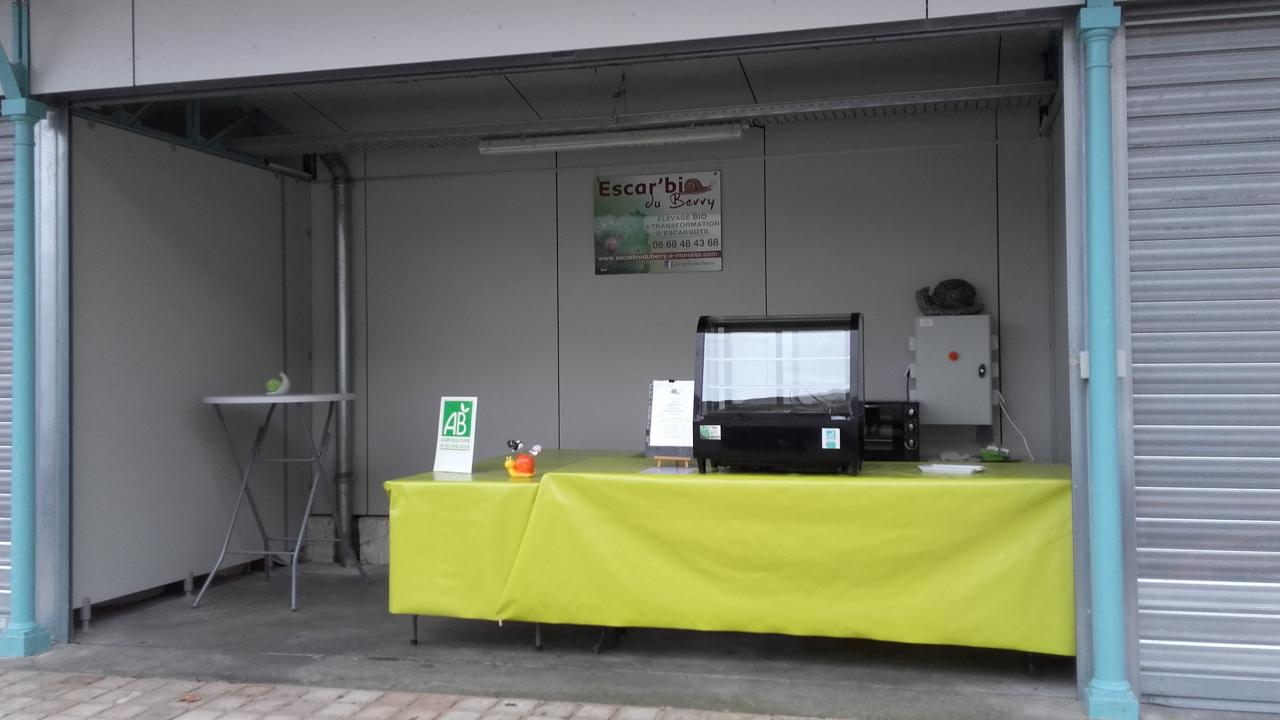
[[35, 695]]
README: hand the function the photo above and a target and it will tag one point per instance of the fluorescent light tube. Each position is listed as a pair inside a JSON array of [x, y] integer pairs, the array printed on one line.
[[612, 139]]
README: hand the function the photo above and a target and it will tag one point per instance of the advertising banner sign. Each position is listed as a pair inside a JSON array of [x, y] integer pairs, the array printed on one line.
[[658, 223]]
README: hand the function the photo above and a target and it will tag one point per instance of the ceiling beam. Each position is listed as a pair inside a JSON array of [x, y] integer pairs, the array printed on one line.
[[967, 98]]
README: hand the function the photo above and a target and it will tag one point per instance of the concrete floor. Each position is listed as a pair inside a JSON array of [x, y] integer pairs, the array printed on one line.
[[342, 636]]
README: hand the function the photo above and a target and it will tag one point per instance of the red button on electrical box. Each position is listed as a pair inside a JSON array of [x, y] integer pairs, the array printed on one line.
[[953, 356]]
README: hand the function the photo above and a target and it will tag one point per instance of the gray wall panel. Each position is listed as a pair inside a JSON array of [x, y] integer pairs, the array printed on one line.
[[77, 44], [819, 186], [295, 197], [185, 40], [876, 250], [461, 301], [618, 333], [176, 263]]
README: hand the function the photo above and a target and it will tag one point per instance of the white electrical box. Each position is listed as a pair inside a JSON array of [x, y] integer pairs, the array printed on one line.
[[953, 369]]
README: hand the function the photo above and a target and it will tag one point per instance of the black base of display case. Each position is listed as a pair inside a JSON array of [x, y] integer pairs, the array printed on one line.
[[758, 442]]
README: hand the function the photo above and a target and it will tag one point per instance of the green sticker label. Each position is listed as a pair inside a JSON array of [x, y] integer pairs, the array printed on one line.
[[457, 419], [709, 432], [830, 438]]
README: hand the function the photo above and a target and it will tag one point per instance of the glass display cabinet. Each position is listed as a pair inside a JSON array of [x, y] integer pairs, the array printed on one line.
[[779, 393]]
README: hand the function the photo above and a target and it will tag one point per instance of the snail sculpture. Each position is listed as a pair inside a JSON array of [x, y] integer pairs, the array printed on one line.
[[521, 465]]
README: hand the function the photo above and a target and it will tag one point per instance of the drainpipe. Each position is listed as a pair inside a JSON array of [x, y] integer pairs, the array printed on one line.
[[23, 635], [343, 351], [1108, 695]]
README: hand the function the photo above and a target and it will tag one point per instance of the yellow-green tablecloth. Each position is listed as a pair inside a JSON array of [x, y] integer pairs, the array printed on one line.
[[890, 554]]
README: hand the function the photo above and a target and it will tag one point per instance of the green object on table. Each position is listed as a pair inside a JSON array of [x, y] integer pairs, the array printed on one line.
[[890, 554]]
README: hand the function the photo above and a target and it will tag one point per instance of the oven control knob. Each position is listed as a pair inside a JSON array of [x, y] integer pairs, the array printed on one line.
[[911, 428], [911, 412], [910, 443]]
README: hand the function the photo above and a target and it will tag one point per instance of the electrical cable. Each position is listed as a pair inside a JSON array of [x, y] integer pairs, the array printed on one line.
[[1005, 410]]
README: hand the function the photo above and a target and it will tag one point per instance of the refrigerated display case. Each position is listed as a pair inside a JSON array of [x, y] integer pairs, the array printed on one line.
[[779, 393]]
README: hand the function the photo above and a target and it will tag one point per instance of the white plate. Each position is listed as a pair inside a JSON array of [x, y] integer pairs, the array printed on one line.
[[950, 469]]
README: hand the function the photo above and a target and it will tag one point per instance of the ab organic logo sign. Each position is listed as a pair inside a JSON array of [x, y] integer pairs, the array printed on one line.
[[455, 434], [457, 419]]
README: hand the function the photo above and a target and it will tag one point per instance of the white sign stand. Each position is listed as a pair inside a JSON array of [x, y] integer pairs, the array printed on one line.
[[456, 435]]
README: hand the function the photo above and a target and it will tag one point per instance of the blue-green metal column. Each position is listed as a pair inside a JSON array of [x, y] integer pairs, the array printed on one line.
[[23, 635], [1108, 695]]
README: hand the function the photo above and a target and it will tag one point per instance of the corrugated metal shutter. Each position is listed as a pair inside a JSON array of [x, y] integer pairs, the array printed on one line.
[[1203, 84], [6, 352]]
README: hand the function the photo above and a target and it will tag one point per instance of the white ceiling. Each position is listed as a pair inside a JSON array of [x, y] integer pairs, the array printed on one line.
[[897, 66]]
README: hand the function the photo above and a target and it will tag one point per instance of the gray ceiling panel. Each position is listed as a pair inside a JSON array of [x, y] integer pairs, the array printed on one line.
[[423, 103], [294, 113], [875, 68], [651, 87]]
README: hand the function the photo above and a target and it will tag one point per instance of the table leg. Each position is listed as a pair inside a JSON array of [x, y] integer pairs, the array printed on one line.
[[245, 471], [297, 546]]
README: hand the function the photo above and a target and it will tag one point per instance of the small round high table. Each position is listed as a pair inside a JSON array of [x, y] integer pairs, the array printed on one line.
[[290, 547]]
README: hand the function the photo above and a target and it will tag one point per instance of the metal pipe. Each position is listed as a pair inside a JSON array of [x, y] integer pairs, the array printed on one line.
[[1108, 694], [344, 349]]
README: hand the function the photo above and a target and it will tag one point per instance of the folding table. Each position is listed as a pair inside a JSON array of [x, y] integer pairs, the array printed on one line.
[[292, 546]]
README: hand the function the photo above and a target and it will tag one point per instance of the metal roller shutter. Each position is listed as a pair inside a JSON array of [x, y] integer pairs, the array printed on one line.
[[1203, 85]]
